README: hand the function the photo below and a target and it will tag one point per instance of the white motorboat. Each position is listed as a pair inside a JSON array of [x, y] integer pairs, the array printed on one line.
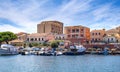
[[26, 51], [80, 48], [76, 50], [7, 49]]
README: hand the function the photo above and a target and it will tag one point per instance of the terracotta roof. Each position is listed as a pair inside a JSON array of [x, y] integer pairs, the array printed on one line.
[[37, 35], [112, 30], [60, 35], [17, 40], [21, 33], [97, 30], [76, 26]]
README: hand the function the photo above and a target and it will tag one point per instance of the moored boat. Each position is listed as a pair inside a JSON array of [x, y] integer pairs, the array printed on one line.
[[76, 50], [7, 49], [26, 51]]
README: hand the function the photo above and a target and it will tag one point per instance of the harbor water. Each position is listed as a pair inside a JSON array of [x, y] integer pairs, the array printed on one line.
[[81, 63]]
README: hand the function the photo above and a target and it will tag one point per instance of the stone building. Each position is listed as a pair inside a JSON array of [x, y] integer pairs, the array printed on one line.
[[97, 35], [77, 34], [50, 27], [21, 38], [36, 38], [115, 32], [60, 37], [44, 37]]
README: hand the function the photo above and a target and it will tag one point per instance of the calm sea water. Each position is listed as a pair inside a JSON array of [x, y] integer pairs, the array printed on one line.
[[83, 63]]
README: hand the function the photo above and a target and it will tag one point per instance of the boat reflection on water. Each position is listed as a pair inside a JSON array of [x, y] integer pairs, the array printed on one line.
[[76, 50]]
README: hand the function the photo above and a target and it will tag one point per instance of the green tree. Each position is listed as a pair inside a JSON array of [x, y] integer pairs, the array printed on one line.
[[45, 44], [35, 44], [24, 45], [54, 44], [30, 45], [1, 39], [7, 36], [57, 41]]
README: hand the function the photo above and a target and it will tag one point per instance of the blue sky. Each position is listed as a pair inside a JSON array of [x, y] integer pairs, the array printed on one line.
[[24, 15]]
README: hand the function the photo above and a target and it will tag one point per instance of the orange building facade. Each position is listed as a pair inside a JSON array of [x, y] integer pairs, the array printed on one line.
[[77, 34]]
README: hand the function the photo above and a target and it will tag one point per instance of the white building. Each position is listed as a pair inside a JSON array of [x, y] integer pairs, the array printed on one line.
[[60, 37], [36, 37], [110, 39]]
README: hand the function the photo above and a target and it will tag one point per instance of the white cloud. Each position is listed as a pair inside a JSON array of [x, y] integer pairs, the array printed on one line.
[[22, 15], [28, 14], [67, 11], [10, 28], [101, 12]]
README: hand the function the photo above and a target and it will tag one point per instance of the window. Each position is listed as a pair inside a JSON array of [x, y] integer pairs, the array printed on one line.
[[31, 39], [81, 35], [77, 30], [52, 28], [39, 39], [112, 39], [93, 34], [73, 30], [81, 29], [42, 39], [99, 33], [56, 38], [108, 39], [35, 39], [59, 38], [96, 33], [76, 35], [27, 39], [68, 35], [63, 38], [73, 36], [96, 40], [99, 39]]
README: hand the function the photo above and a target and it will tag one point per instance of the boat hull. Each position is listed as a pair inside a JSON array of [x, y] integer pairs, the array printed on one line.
[[74, 53]]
